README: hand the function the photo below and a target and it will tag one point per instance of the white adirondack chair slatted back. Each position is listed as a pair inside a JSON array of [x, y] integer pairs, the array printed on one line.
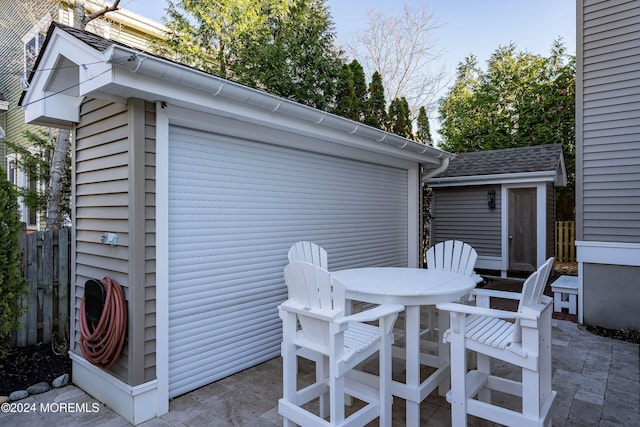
[[533, 287], [532, 291], [452, 255], [312, 287], [309, 252]]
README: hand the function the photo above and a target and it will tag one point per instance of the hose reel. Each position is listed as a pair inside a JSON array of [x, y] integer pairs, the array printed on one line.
[[103, 322]]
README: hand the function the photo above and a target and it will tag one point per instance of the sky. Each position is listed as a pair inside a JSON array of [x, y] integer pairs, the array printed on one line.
[[465, 27]]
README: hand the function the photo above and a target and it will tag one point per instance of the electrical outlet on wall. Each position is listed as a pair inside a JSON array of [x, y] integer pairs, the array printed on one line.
[[110, 239]]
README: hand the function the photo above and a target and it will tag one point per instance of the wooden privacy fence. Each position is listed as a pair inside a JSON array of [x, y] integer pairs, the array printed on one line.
[[565, 241], [45, 268]]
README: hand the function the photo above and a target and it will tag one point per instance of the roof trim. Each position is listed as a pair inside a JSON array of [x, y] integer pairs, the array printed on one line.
[[123, 72], [160, 68], [505, 178]]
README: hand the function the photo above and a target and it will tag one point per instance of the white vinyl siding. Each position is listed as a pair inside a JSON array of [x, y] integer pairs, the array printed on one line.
[[235, 208], [610, 110]]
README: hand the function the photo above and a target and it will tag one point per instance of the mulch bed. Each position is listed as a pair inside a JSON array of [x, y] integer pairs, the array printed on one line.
[[26, 366]]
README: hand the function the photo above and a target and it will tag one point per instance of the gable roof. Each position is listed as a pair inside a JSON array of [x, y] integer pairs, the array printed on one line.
[[538, 162], [74, 64]]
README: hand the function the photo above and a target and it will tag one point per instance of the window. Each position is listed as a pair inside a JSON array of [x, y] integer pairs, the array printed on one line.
[[19, 179], [33, 42]]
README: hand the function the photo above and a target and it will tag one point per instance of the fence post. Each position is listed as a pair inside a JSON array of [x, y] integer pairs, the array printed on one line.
[[21, 333], [32, 291], [47, 285], [63, 281]]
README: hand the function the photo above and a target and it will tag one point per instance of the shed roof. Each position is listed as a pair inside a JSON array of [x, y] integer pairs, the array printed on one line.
[[542, 162]]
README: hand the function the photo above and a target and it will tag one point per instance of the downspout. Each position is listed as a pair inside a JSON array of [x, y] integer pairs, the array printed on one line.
[[444, 163]]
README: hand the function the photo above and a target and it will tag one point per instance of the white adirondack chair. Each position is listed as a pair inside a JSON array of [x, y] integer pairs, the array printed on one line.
[[454, 256], [316, 303], [309, 252], [525, 341]]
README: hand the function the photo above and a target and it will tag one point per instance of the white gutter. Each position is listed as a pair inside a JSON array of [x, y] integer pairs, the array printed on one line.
[[156, 67], [444, 163]]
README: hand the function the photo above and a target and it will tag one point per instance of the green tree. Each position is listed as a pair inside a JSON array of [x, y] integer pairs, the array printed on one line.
[[294, 56], [399, 119], [360, 88], [346, 102], [423, 132], [376, 112], [11, 282], [203, 31], [521, 99], [37, 162], [285, 47]]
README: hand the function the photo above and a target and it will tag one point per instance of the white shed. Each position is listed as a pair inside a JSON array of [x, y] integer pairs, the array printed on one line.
[[207, 183]]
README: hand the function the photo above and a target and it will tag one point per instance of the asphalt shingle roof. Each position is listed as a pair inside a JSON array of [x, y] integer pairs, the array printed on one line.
[[538, 158]]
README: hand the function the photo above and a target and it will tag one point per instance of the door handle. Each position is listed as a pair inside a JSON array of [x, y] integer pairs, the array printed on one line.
[[510, 237]]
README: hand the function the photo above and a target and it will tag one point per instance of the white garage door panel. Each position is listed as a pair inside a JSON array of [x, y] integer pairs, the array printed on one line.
[[235, 208]]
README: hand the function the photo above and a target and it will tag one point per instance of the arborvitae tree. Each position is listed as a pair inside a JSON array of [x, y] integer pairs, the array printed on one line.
[[346, 103], [376, 113], [399, 120], [11, 282], [423, 133], [360, 88]]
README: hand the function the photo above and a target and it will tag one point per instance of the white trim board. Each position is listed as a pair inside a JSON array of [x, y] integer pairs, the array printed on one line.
[[136, 404], [608, 253]]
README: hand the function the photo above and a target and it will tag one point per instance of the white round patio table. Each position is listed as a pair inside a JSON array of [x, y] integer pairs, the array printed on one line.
[[411, 287]]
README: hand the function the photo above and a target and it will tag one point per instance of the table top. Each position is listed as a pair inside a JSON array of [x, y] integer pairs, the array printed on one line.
[[407, 286]]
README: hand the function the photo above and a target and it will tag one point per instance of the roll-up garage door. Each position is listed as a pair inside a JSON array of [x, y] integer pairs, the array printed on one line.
[[235, 208]]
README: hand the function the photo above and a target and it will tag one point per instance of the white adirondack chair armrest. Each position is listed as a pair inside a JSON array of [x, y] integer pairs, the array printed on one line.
[[302, 310], [493, 293], [483, 311], [374, 313]]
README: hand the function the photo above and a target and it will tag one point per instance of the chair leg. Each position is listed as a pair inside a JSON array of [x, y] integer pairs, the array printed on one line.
[[384, 372], [484, 366], [322, 367], [458, 378], [336, 395], [289, 378]]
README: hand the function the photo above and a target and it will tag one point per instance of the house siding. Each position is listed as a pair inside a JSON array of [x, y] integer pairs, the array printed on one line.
[[115, 160], [101, 204], [12, 54], [609, 106], [462, 214], [608, 161]]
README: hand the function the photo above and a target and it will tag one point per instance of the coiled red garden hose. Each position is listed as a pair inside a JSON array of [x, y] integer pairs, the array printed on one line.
[[101, 344]]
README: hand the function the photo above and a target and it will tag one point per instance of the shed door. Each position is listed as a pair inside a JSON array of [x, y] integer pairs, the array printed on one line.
[[235, 208], [522, 229]]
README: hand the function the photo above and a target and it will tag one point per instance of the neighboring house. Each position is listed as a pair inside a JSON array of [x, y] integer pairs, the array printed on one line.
[[207, 183], [501, 202], [608, 162], [23, 25]]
